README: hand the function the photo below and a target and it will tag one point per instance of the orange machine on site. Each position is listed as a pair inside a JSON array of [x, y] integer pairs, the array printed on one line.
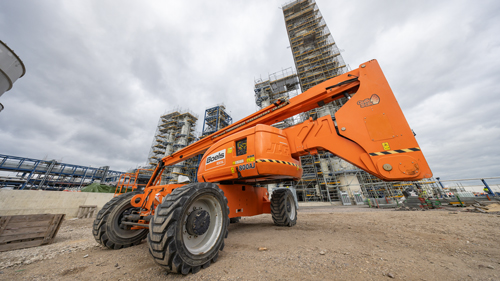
[[187, 224], [129, 182]]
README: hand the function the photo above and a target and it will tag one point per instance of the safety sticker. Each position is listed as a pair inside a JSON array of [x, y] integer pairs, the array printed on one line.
[[386, 146], [405, 150], [230, 150], [373, 100], [238, 162], [251, 159], [232, 170]]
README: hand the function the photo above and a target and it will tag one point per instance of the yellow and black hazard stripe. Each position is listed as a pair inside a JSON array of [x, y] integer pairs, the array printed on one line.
[[405, 150], [277, 161]]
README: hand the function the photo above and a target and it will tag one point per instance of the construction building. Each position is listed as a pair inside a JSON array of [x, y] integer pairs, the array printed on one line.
[[278, 85], [28, 173], [175, 130], [215, 119], [317, 59]]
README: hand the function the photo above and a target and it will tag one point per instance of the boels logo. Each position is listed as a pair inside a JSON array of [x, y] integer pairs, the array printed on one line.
[[373, 100], [216, 159]]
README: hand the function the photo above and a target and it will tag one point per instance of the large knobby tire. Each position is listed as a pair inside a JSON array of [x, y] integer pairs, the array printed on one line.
[[107, 230], [181, 238], [283, 209]]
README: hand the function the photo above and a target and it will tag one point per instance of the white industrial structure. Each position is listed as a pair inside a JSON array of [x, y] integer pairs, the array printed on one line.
[[175, 130], [11, 69]]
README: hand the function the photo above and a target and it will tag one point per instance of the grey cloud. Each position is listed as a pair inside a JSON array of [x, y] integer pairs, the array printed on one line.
[[99, 73]]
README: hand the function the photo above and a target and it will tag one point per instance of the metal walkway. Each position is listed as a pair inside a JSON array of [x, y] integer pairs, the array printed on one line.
[[43, 174]]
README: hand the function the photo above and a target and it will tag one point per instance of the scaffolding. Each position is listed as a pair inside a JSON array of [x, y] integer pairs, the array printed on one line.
[[317, 58], [215, 119], [32, 173], [282, 84], [175, 130]]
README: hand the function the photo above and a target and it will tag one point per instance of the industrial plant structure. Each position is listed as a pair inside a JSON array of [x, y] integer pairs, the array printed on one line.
[[176, 129], [29, 173], [216, 118]]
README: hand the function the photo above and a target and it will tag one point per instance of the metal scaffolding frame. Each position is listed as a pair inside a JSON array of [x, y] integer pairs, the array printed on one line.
[[175, 130], [316, 56], [42, 174], [282, 84], [215, 119]]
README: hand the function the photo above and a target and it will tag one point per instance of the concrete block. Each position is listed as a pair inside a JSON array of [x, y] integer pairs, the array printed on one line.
[[25, 202]]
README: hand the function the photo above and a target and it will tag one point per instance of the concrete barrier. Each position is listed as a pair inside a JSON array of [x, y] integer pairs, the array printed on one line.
[[27, 202], [319, 204]]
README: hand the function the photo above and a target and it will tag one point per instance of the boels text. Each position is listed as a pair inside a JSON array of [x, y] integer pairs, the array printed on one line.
[[216, 156]]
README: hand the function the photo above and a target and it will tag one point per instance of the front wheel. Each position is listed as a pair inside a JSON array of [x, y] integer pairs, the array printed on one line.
[[189, 227], [283, 209], [108, 229]]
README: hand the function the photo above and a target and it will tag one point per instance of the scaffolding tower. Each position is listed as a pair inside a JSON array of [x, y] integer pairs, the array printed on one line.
[[215, 119], [317, 59], [175, 130], [316, 56], [278, 85]]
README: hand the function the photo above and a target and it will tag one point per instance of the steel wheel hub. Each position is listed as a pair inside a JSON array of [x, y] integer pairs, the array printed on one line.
[[202, 224], [198, 222]]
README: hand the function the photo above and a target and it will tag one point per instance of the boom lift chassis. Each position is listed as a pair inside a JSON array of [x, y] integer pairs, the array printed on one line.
[[186, 225]]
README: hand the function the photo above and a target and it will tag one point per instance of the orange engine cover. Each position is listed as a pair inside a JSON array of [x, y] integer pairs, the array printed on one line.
[[257, 154]]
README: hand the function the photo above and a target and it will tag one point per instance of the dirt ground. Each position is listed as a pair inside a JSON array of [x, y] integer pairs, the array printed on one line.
[[328, 243]]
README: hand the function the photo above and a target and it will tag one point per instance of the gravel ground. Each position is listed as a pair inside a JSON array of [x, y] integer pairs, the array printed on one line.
[[328, 243]]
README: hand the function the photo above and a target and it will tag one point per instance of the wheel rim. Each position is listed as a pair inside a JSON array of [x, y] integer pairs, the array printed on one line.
[[126, 233], [290, 207], [201, 244]]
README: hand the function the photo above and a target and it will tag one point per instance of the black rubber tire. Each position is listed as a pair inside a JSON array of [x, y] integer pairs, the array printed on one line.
[[165, 239], [234, 220], [106, 228], [283, 209]]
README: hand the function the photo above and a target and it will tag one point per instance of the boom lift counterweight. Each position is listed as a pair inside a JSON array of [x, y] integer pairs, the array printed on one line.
[[188, 223]]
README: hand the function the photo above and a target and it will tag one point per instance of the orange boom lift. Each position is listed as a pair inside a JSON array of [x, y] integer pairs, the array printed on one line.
[[187, 224]]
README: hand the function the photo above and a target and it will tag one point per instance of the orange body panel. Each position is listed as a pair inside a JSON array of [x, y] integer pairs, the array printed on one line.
[[246, 200], [266, 158]]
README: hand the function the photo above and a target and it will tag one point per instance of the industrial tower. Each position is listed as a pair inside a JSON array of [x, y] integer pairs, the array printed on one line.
[[175, 130], [215, 119]]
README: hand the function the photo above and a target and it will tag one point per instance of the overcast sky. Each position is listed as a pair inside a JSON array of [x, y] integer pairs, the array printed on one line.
[[100, 73]]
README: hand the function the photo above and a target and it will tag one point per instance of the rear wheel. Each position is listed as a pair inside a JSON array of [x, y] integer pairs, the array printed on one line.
[[189, 228], [108, 230], [283, 209]]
